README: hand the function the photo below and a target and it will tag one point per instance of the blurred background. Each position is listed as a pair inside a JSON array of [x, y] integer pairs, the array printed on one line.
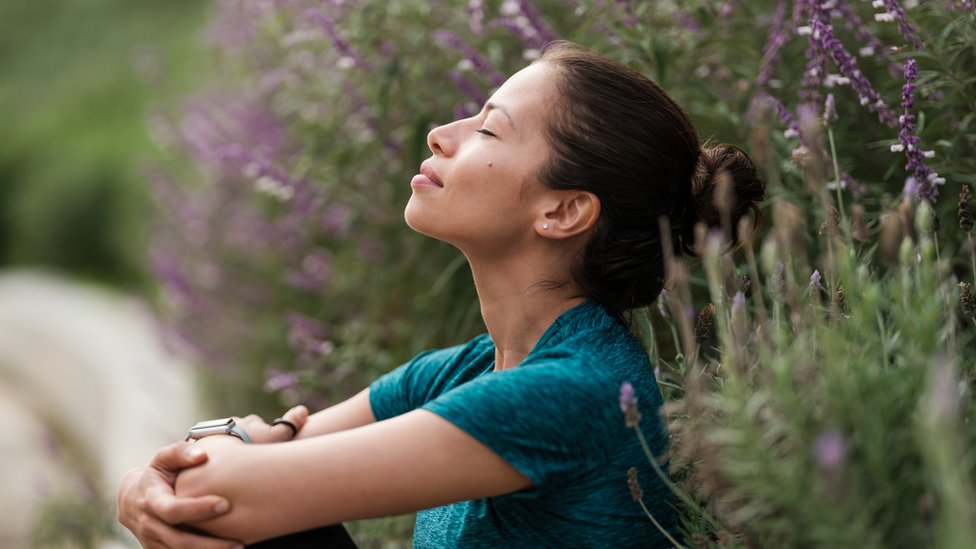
[[201, 216], [87, 390]]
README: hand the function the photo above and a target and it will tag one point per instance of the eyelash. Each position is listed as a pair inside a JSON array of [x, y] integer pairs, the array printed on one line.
[[483, 131]]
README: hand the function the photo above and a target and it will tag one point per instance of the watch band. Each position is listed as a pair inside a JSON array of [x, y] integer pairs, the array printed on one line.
[[236, 431]]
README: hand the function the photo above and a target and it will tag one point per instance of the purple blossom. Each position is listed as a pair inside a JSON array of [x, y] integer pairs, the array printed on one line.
[[627, 398], [778, 36], [280, 380], [847, 64], [343, 46], [687, 20], [829, 450], [785, 116], [908, 142], [314, 273], [894, 12], [476, 16], [544, 31], [480, 64], [815, 279], [305, 334], [522, 19], [830, 110], [872, 46], [463, 84], [816, 68]]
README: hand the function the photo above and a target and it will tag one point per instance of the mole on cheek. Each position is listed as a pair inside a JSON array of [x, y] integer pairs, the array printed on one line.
[[490, 164]]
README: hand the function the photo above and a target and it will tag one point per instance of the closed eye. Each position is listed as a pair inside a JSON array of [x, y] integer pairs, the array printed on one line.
[[483, 131]]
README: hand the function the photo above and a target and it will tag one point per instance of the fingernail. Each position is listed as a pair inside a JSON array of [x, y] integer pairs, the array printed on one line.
[[194, 453], [222, 507]]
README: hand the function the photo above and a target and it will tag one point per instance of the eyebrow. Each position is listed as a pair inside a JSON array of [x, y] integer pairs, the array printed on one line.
[[489, 106]]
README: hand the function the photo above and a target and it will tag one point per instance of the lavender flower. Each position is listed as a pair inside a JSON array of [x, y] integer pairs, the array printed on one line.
[[627, 398], [815, 280], [847, 64], [778, 36], [320, 18], [908, 142], [894, 12], [829, 450], [522, 19], [476, 16], [872, 45], [830, 111], [479, 63], [628, 405], [279, 380], [816, 68]]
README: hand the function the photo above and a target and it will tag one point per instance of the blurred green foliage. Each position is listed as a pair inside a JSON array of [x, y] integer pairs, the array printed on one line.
[[78, 80]]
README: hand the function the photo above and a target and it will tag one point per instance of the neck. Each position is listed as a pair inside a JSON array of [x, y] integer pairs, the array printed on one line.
[[519, 302]]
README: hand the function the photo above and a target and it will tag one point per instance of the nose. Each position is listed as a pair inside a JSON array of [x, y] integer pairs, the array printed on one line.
[[442, 140]]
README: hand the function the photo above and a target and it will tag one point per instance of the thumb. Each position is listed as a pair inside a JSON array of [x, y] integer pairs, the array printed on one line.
[[178, 456]]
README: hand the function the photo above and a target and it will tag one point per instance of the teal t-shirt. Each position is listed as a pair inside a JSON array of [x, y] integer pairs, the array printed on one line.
[[556, 419]]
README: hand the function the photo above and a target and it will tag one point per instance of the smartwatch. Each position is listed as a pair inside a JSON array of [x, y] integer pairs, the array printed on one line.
[[225, 426]]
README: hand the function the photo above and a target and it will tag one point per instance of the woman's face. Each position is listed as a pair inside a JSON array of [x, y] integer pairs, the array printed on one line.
[[479, 189]]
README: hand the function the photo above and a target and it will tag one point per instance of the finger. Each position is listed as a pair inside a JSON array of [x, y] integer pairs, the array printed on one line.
[[178, 456], [297, 415], [178, 510], [287, 426]]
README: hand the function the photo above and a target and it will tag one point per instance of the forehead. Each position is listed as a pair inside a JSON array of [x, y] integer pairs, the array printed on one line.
[[526, 94]]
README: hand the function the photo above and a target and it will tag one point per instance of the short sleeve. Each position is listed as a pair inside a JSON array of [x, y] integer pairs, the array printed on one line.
[[426, 376], [552, 420]]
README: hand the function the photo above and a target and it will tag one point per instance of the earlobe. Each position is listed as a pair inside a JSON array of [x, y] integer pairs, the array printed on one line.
[[574, 212]]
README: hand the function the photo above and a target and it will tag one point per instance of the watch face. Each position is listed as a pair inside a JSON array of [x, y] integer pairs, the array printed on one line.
[[211, 427], [213, 423]]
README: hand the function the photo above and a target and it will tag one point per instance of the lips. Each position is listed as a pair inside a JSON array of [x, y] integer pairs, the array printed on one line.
[[427, 172]]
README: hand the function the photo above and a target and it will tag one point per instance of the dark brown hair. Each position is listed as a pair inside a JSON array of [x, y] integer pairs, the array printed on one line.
[[616, 134]]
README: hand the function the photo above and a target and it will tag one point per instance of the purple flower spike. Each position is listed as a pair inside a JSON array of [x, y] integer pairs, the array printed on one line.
[[815, 279], [872, 46], [894, 12], [627, 398], [479, 63], [847, 64], [922, 177], [829, 450], [320, 18], [778, 36], [830, 111]]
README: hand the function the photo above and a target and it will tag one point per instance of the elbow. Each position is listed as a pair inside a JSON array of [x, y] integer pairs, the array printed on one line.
[[211, 479], [198, 481]]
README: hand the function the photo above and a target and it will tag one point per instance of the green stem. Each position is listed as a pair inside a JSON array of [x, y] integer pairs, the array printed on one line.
[[667, 480], [840, 196], [658, 526]]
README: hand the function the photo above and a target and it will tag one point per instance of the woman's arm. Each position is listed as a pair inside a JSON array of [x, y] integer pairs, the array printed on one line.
[[415, 461], [348, 414]]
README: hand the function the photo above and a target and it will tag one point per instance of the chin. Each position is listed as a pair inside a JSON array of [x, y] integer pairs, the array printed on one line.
[[414, 216]]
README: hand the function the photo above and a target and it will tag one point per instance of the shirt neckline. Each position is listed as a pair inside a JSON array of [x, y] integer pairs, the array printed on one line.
[[555, 329]]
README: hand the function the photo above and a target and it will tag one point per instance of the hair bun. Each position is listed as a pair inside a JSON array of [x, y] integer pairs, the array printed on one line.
[[724, 183]]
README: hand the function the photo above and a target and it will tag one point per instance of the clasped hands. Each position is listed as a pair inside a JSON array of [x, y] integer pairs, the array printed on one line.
[[147, 502]]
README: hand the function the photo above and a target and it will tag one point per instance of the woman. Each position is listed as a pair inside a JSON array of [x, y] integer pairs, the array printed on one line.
[[554, 194]]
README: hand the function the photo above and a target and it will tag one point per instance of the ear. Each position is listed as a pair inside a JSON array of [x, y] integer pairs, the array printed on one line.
[[568, 213]]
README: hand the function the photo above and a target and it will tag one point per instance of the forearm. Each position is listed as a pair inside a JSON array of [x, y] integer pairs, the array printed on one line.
[[240, 473], [349, 414], [414, 461], [276, 489]]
